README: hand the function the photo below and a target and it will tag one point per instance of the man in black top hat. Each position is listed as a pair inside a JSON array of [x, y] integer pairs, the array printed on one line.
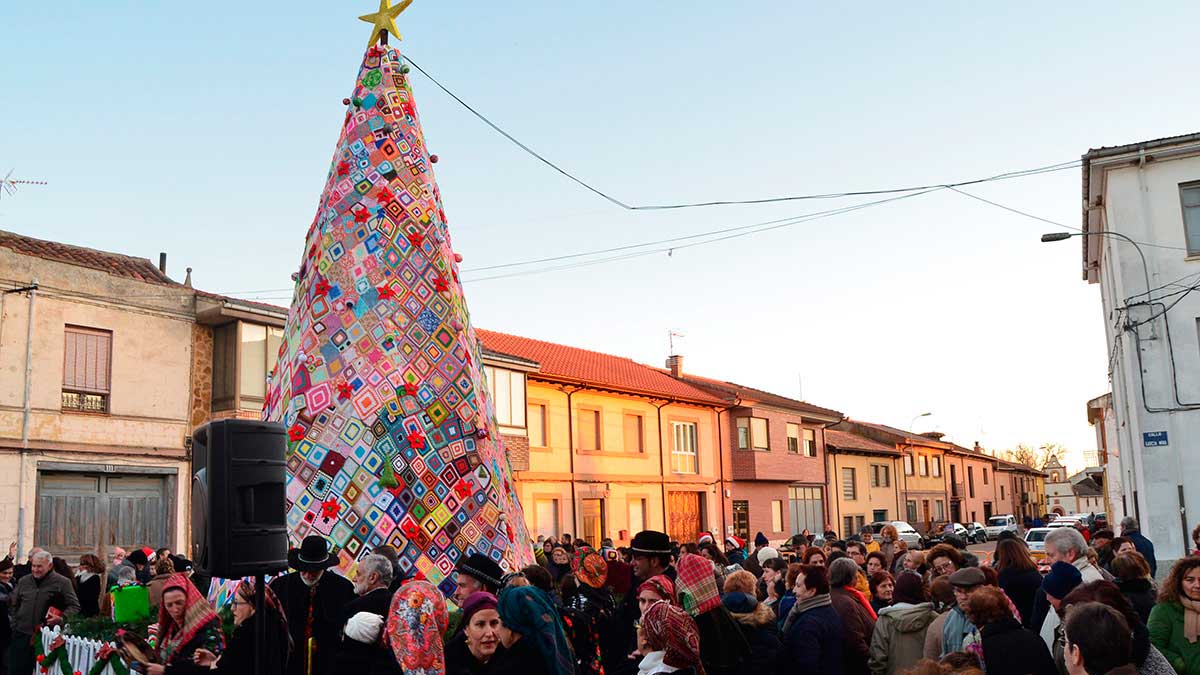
[[477, 572], [314, 601]]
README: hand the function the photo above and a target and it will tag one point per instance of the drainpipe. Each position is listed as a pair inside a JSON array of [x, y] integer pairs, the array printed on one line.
[[571, 458], [836, 496], [721, 463], [27, 409], [662, 464]]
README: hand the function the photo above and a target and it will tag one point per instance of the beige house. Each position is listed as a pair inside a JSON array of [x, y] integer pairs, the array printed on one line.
[[96, 363], [864, 475]]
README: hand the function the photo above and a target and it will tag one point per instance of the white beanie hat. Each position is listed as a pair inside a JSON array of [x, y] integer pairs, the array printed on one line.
[[364, 627], [766, 553]]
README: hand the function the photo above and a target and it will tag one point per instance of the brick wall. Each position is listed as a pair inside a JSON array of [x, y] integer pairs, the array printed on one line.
[[778, 464], [517, 448]]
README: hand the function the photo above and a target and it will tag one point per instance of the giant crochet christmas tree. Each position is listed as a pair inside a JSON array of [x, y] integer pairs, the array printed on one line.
[[393, 439]]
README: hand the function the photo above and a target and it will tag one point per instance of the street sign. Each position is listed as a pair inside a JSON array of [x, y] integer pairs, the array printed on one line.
[[1154, 439]]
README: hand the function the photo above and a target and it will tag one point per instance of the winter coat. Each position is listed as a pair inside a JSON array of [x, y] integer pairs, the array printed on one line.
[[358, 658], [32, 597], [857, 626], [1166, 633], [1011, 649], [88, 592], [5, 622], [1145, 547], [933, 637], [751, 564], [813, 643], [333, 593], [238, 657], [460, 661], [208, 637], [1021, 586], [899, 638], [763, 637], [1140, 593]]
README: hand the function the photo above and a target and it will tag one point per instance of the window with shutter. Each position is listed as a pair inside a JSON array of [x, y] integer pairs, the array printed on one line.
[[849, 490], [87, 369]]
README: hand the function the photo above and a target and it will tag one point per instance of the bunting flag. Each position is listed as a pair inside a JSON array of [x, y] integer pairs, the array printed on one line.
[[379, 381]]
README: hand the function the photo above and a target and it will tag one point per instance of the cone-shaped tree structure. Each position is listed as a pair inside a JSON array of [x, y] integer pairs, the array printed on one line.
[[379, 380]]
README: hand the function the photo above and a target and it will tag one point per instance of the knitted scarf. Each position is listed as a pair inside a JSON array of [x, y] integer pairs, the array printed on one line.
[[803, 606], [862, 600], [1191, 619]]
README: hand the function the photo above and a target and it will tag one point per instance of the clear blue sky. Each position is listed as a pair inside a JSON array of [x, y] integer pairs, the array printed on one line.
[[205, 130]]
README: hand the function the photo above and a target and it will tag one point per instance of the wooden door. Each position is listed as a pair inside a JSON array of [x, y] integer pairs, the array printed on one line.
[[81, 513], [683, 516]]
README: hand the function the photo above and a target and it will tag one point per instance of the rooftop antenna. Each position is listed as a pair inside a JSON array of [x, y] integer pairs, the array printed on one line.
[[671, 335], [8, 185]]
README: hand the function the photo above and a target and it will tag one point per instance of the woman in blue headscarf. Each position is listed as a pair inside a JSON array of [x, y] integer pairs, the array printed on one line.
[[532, 634]]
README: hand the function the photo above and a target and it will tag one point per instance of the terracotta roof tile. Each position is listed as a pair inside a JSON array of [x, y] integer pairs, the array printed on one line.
[[116, 264], [902, 436], [572, 364], [844, 440]]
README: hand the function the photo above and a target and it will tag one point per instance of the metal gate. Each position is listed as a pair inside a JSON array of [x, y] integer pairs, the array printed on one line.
[[81, 513]]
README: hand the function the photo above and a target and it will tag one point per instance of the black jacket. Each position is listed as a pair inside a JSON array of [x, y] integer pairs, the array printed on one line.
[[1011, 649], [238, 658], [522, 659], [762, 634], [1021, 586], [813, 644], [460, 661], [89, 596], [333, 593], [1140, 593], [357, 658]]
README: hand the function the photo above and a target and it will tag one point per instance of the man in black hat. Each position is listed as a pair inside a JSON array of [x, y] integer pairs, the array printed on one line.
[[314, 601], [652, 554], [477, 572]]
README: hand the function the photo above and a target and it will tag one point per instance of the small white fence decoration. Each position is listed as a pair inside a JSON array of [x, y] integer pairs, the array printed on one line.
[[82, 652]]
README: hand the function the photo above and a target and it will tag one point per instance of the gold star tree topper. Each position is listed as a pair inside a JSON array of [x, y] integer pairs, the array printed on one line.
[[384, 21]]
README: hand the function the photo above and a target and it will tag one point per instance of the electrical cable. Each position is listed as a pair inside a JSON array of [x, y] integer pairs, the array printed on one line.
[[724, 202]]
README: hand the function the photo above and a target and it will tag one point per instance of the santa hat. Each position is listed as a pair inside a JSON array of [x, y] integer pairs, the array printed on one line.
[[735, 540], [706, 538]]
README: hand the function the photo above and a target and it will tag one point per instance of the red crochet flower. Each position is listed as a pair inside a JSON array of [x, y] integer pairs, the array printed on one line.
[[385, 292], [410, 529], [343, 168], [330, 508], [415, 238], [345, 389], [463, 489], [361, 216], [410, 388], [416, 440], [323, 287], [296, 433], [384, 195], [440, 284]]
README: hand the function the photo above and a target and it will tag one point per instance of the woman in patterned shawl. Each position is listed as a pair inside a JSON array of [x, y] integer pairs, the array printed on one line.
[[239, 650], [415, 624], [672, 640], [186, 622], [723, 647], [533, 634]]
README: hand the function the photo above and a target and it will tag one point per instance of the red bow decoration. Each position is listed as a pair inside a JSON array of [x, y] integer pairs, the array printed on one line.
[[415, 238], [345, 389], [416, 440], [296, 433], [343, 168], [410, 388], [385, 292], [323, 287], [330, 508]]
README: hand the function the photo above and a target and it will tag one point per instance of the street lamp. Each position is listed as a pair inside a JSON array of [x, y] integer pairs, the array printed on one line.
[[1060, 236], [914, 420]]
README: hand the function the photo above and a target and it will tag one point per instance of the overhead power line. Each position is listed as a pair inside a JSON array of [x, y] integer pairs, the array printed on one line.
[[720, 202]]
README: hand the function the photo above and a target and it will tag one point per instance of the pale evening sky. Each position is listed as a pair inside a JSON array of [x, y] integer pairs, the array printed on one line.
[[206, 131]]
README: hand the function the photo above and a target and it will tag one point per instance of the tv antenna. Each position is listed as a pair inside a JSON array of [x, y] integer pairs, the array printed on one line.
[[671, 335], [8, 185]]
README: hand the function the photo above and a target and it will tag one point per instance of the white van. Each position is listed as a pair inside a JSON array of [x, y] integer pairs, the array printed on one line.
[[998, 524]]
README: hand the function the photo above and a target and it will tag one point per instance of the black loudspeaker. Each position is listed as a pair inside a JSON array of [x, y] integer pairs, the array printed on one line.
[[239, 503]]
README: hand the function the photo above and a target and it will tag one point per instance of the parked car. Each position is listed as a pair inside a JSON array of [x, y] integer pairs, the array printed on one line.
[[1065, 521], [787, 550], [939, 534], [976, 533], [906, 531], [1035, 539], [998, 524]]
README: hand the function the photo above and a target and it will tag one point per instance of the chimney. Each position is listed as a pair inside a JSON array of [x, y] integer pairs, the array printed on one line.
[[978, 447], [675, 365], [162, 263]]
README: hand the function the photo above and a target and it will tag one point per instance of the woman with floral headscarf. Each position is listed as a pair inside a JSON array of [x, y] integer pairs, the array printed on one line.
[[186, 623], [415, 623], [239, 653], [592, 633], [532, 635], [722, 645], [672, 641]]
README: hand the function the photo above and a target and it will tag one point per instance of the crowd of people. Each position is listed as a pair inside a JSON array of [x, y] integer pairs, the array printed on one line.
[[859, 605]]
